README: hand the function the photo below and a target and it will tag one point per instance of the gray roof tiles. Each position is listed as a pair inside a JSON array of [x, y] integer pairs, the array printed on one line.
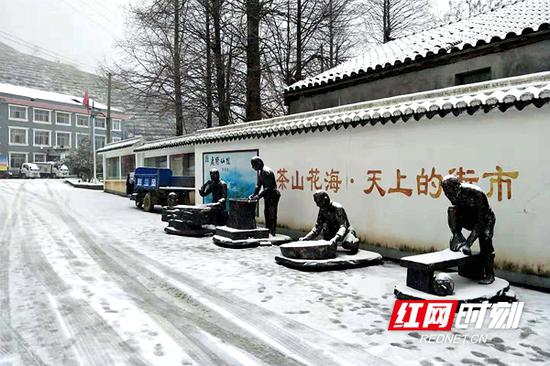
[[120, 144], [520, 17], [503, 94]]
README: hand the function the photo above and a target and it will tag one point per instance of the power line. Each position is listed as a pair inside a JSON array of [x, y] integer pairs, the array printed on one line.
[[105, 13], [41, 50], [102, 26]]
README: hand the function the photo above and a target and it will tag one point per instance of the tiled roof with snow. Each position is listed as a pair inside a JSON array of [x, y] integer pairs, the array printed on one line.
[[120, 144], [501, 94], [515, 19], [21, 91]]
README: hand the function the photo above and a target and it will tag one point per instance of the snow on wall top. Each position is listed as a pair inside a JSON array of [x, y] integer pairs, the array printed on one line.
[[21, 91], [511, 20], [518, 92], [120, 144]]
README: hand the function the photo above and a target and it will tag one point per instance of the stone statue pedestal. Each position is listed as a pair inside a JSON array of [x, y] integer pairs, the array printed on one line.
[[421, 269], [242, 214], [466, 291], [190, 220], [319, 255], [241, 230]]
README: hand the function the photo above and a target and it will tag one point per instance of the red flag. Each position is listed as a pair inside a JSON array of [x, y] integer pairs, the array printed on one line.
[[86, 100]]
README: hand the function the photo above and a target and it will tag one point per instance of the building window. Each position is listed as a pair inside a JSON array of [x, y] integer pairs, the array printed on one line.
[[155, 162], [18, 113], [474, 76], [63, 118], [82, 138], [42, 116], [113, 171], [183, 164], [82, 120], [18, 136], [39, 158], [17, 159], [42, 138], [100, 122], [115, 139], [128, 163], [116, 125], [100, 142], [63, 139]]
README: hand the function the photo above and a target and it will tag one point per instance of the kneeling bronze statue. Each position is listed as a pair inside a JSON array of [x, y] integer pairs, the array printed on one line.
[[333, 224], [471, 211]]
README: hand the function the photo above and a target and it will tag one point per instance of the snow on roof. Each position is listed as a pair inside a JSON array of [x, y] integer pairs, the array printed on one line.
[[515, 19], [516, 92], [30, 93], [167, 142], [120, 144]]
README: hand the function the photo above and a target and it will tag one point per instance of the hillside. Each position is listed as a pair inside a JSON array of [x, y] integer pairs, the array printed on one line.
[[34, 72]]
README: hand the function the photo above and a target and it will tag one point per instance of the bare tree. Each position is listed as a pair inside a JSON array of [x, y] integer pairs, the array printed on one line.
[[216, 62], [459, 9], [253, 68], [389, 19], [153, 68]]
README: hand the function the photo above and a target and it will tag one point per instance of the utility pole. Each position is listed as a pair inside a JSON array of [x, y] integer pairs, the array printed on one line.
[[108, 119], [93, 140]]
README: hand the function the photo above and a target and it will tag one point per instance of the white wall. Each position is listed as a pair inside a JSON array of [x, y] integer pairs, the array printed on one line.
[[514, 140]]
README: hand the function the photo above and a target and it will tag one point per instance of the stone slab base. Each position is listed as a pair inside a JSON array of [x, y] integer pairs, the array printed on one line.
[[242, 234], [466, 290], [202, 232], [314, 249], [363, 258], [278, 239], [226, 242]]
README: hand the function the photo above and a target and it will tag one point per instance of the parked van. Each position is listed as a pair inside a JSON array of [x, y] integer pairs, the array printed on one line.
[[30, 170], [53, 169]]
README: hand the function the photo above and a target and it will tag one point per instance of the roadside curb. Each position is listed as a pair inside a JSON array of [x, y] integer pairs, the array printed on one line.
[[85, 185]]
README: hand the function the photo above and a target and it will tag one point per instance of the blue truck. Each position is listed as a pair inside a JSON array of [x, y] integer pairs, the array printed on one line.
[[150, 186]]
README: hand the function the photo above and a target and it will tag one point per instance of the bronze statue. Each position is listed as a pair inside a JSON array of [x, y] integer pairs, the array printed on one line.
[[218, 189], [333, 224], [172, 200], [270, 193], [471, 211]]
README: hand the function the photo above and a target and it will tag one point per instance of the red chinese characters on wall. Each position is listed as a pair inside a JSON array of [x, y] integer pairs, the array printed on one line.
[[427, 183]]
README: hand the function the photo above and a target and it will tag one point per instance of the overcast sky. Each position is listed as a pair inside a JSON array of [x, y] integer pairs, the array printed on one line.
[[80, 32]]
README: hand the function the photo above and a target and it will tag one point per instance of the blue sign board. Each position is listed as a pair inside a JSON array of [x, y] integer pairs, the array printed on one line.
[[235, 170]]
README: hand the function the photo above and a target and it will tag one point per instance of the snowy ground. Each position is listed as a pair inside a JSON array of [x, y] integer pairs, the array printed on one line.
[[87, 279]]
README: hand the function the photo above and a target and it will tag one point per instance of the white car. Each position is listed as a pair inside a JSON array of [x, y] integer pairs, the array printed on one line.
[[30, 170], [61, 170]]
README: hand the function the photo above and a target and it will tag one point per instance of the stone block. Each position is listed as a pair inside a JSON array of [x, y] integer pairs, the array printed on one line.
[[241, 234], [315, 249], [242, 214]]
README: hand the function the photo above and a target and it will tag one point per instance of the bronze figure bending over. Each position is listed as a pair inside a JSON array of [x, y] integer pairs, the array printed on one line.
[[333, 224], [471, 211]]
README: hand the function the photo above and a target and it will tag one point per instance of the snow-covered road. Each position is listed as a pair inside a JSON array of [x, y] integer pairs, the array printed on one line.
[[87, 279]]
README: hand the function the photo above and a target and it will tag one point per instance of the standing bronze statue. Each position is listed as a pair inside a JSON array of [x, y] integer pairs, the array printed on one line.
[[270, 193], [218, 189], [471, 211], [333, 224]]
